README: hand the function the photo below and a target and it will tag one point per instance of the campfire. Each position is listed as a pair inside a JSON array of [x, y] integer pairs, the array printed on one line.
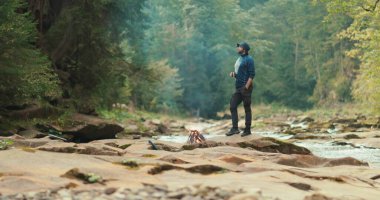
[[195, 137]]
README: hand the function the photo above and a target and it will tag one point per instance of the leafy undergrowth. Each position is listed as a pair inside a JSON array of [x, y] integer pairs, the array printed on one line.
[[5, 144], [63, 119], [122, 115], [347, 110], [85, 177]]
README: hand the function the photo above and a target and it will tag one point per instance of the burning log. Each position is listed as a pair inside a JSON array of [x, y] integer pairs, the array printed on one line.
[[195, 137]]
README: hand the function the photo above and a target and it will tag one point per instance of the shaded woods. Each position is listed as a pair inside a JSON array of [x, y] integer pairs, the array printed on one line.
[[174, 56], [98, 98]]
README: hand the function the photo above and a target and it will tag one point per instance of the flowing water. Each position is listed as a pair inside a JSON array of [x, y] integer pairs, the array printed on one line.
[[326, 149], [330, 149]]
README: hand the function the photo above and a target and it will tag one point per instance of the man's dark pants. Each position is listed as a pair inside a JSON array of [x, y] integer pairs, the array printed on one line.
[[241, 95]]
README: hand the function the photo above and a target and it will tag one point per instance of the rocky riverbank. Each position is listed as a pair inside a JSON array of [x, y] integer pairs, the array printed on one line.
[[261, 166]]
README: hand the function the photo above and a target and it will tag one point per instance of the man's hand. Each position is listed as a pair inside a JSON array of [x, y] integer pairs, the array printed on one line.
[[249, 83], [232, 74]]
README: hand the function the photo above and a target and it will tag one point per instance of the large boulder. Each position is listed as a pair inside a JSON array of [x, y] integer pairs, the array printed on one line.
[[85, 128], [267, 144]]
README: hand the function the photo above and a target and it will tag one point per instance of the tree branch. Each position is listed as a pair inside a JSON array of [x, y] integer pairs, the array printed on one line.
[[371, 8]]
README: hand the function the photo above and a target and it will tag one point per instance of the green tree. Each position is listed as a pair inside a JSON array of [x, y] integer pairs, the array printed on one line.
[[198, 38], [25, 75], [95, 47], [364, 31], [305, 63]]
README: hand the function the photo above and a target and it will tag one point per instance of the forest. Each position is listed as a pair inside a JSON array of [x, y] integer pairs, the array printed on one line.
[[134, 99], [174, 56]]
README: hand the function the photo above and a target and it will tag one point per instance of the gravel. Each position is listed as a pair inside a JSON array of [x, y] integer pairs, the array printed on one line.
[[147, 192]]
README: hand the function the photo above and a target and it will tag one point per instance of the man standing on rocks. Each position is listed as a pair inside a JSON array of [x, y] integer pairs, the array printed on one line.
[[244, 74]]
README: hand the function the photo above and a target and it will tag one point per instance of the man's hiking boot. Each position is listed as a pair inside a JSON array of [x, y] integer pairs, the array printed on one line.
[[233, 131], [246, 132]]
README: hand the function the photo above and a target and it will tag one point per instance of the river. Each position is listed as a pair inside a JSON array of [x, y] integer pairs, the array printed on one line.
[[326, 149]]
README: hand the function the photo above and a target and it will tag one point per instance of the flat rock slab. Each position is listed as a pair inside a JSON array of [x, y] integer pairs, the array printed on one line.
[[265, 175], [264, 144]]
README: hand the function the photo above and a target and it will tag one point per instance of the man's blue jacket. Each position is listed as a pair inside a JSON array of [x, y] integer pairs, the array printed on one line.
[[245, 70]]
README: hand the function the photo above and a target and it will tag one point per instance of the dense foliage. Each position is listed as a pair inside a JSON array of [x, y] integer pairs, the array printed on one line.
[[365, 32], [300, 60], [175, 55], [25, 73]]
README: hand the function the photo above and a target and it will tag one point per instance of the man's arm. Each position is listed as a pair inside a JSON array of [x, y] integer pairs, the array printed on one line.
[[249, 83], [251, 72]]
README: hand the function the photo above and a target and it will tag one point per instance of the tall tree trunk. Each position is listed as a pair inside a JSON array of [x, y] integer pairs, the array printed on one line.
[[296, 57], [320, 92], [41, 17]]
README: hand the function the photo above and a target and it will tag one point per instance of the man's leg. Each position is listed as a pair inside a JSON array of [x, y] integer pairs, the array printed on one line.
[[248, 112], [236, 99]]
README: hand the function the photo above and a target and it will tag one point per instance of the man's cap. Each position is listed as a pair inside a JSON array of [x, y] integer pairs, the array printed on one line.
[[244, 45]]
